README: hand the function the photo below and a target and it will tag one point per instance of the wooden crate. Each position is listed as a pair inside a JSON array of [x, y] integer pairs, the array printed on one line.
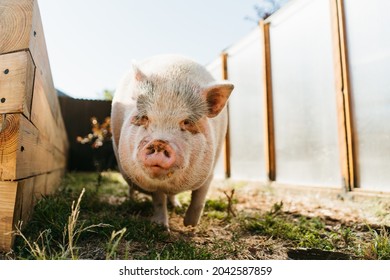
[[33, 141]]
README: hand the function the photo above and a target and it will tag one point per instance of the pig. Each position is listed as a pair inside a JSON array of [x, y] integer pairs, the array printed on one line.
[[169, 121]]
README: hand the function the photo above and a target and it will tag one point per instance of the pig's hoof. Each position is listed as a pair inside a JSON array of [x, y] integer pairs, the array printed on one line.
[[174, 201], [190, 221], [160, 221]]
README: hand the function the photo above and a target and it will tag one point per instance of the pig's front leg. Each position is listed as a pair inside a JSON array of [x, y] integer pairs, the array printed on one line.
[[195, 209], [160, 215]]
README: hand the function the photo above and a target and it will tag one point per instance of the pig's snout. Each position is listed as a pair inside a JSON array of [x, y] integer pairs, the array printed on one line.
[[158, 157]]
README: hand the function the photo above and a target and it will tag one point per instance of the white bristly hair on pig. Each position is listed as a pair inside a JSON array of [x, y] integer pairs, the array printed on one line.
[[184, 94]]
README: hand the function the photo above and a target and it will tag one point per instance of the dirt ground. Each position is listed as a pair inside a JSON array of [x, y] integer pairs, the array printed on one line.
[[333, 206]]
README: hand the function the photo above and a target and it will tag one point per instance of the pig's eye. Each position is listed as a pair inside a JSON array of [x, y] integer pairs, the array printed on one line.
[[140, 120], [188, 125]]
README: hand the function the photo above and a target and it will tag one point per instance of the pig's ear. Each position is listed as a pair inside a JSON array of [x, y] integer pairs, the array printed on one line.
[[216, 96], [138, 74]]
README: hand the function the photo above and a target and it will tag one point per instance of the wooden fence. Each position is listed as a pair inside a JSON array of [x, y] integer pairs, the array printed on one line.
[[311, 104], [77, 114], [33, 142]]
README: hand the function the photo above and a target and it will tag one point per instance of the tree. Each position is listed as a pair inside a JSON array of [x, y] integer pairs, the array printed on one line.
[[265, 8], [108, 94]]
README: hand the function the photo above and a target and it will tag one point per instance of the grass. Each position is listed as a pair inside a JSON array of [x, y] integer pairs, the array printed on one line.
[[83, 221]]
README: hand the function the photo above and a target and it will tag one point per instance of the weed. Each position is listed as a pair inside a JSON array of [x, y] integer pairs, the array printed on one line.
[[113, 243], [47, 246], [379, 248], [216, 205], [304, 232]]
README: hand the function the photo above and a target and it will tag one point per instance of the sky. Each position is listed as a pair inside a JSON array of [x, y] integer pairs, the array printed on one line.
[[92, 43]]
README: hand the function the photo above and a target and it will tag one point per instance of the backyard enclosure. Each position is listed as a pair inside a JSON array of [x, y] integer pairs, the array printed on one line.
[[311, 104], [33, 143], [310, 107]]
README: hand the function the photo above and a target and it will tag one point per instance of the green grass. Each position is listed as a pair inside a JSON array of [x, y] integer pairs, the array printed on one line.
[[106, 225], [86, 221], [379, 247], [314, 233]]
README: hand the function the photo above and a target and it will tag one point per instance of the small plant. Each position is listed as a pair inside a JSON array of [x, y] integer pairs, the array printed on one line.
[[379, 248], [302, 231], [100, 135], [230, 210], [38, 248], [112, 246], [74, 229]]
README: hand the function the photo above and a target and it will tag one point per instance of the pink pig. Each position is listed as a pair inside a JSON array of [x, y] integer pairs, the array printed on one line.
[[168, 123]]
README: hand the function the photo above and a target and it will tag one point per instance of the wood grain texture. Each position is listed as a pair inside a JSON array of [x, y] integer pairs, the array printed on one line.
[[16, 201], [51, 127], [344, 114], [24, 152], [9, 141], [16, 82], [33, 140], [16, 25], [226, 146], [269, 135], [21, 29], [8, 192]]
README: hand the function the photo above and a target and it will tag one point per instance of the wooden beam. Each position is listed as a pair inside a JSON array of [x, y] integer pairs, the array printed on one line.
[[21, 29], [33, 140], [24, 152], [16, 82], [270, 160], [16, 25], [343, 94], [50, 126], [224, 58], [41, 59], [8, 192], [16, 201]]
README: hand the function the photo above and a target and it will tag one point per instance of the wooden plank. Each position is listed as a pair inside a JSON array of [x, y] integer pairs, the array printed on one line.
[[40, 56], [33, 141], [53, 181], [345, 126], [42, 117], [269, 141], [24, 201], [226, 146], [17, 200], [40, 183], [22, 30], [16, 25], [24, 153], [9, 145], [8, 192], [16, 82]]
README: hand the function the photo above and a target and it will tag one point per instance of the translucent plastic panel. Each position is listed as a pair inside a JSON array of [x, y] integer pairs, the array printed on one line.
[[246, 108], [368, 35], [215, 68], [306, 134]]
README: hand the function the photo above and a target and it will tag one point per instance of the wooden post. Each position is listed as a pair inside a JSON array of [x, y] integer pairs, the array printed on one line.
[[345, 125], [270, 161], [33, 140], [224, 58]]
